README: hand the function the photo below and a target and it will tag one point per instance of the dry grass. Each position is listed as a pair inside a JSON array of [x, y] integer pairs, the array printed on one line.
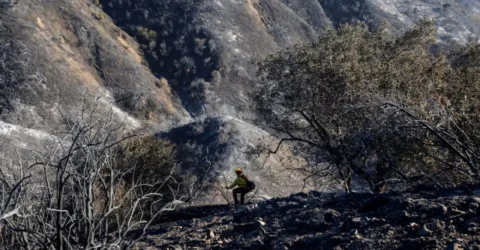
[[130, 49]]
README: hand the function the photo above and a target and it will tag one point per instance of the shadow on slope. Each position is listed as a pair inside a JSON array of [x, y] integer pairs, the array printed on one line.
[[439, 219], [216, 146]]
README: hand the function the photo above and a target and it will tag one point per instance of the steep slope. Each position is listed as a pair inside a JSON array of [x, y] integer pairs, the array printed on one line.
[[207, 49], [457, 20], [60, 56], [56, 54], [208, 52], [246, 32], [216, 146], [65, 54], [447, 219], [156, 64]]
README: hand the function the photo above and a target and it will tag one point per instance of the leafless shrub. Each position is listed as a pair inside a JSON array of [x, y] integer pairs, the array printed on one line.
[[96, 189], [220, 187]]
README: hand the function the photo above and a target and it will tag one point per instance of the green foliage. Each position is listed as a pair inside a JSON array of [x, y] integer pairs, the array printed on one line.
[[141, 168], [98, 3], [99, 15], [380, 107], [144, 33], [153, 158]]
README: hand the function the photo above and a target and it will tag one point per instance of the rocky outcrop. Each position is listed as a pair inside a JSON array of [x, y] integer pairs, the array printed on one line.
[[447, 219]]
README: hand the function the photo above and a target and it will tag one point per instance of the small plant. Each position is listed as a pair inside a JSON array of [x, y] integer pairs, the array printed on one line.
[[154, 156], [146, 34], [99, 15]]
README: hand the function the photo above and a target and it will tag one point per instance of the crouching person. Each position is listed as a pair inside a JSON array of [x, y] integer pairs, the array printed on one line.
[[244, 186]]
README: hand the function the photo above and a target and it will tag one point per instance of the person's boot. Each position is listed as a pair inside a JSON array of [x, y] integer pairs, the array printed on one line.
[[242, 199]]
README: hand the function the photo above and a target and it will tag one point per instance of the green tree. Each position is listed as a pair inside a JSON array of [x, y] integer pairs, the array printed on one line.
[[368, 104], [154, 158]]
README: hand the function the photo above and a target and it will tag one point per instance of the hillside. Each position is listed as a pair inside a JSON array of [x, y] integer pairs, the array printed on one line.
[[156, 64], [457, 20], [67, 55], [59, 56], [217, 145], [447, 219], [199, 86], [208, 49]]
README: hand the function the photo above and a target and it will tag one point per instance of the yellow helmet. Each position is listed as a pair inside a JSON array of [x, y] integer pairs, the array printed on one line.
[[238, 170]]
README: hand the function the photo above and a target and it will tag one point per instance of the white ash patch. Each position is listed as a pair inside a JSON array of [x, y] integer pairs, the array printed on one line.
[[451, 26], [231, 36], [130, 122], [219, 3], [392, 7], [8, 129]]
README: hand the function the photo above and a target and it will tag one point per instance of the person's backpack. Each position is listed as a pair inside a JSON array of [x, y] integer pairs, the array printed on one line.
[[250, 185]]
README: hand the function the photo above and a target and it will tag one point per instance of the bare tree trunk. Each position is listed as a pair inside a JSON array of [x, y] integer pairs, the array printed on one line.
[[58, 223], [90, 219], [68, 212], [347, 185]]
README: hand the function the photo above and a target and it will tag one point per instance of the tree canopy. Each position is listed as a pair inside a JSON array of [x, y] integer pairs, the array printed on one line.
[[368, 104]]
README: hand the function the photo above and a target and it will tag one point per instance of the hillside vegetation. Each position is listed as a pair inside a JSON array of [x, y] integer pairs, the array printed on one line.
[[115, 113], [175, 45], [385, 109]]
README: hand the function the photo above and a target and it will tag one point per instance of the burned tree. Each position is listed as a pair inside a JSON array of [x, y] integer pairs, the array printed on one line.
[[97, 188]]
